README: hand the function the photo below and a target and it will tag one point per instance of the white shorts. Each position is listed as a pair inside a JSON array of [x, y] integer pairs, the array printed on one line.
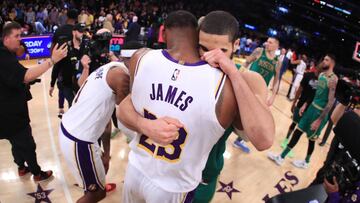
[[140, 189], [297, 80], [84, 161]]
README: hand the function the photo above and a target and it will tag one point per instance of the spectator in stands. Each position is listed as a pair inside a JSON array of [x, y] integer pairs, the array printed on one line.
[[134, 30], [108, 23], [30, 16], [62, 17]]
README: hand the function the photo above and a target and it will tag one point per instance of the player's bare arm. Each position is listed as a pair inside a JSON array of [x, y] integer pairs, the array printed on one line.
[[85, 62], [118, 81], [253, 56], [276, 83], [244, 93], [331, 99]]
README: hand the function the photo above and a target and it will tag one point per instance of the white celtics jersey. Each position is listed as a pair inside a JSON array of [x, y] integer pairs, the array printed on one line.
[[163, 87], [92, 106]]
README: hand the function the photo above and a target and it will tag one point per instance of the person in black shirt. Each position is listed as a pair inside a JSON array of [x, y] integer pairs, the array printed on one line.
[[134, 31], [65, 69], [305, 94], [347, 131], [14, 116]]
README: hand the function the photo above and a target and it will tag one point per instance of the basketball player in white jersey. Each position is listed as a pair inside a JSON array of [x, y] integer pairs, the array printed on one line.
[[300, 70], [84, 123], [176, 83]]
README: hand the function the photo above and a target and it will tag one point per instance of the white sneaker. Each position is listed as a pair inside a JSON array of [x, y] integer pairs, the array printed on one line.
[[276, 158], [300, 164]]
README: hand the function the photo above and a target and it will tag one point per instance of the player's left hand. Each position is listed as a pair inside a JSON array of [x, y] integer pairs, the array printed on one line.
[[315, 125], [217, 58], [106, 161], [331, 188]]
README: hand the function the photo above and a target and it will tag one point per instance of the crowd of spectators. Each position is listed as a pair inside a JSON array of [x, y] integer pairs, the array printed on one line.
[[44, 16]]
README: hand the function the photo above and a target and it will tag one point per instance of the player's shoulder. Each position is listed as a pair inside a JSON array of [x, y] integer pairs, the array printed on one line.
[[140, 52], [332, 81], [258, 49]]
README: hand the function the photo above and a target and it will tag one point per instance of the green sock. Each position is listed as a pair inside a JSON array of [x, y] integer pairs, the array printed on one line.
[[307, 159], [285, 152]]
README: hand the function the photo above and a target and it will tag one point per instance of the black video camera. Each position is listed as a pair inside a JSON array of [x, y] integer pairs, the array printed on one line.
[[71, 53], [98, 47], [346, 170], [348, 89]]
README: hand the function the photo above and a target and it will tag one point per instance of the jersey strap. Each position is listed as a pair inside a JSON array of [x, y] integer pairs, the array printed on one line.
[[220, 86]]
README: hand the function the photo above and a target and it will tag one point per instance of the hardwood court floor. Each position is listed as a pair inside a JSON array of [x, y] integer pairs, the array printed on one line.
[[253, 175]]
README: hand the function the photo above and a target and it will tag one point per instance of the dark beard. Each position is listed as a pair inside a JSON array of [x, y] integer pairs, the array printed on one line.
[[325, 68]]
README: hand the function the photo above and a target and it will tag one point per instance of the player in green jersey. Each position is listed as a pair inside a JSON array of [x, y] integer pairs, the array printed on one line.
[[316, 116], [265, 62], [221, 38]]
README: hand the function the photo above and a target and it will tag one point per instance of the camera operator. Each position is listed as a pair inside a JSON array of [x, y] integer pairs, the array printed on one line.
[[65, 69], [347, 130], [341, 172], [14, 116], [96, 53]]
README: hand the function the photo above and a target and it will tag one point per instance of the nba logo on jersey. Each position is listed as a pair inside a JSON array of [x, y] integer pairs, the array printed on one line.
[[175, 75]]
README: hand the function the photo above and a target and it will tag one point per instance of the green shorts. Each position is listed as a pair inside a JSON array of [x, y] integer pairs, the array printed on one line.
[[205, 192], [296, 116], [310, 115]]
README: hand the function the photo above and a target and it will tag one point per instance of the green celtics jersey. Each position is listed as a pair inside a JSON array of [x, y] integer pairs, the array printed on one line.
[[265, 66], [322, 91], [215, 161]]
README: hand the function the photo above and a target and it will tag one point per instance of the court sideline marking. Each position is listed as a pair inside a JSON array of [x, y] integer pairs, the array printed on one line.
[[62, 177]]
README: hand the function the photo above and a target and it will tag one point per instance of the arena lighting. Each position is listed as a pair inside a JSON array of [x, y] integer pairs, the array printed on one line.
[[356, 55], [250, 27], [333, 7], [283, 9], [272, 32]]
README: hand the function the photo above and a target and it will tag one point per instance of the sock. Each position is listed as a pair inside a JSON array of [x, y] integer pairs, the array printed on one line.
[[285, 152], [291, 129]]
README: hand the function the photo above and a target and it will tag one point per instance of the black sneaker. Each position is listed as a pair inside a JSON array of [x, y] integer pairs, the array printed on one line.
[[60, 115], [44, 175]]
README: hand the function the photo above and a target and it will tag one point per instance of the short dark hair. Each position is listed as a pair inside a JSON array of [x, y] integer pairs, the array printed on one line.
[[275, 38], [332, 56], [220, 23], [9, 27], [72, 14], [180, 19]]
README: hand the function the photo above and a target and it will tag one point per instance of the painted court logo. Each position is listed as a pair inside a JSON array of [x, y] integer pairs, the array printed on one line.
[[227, 188], [175, 75], [41, 195]]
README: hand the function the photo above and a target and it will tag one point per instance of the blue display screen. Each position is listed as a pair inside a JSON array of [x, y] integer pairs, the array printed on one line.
[[38, 46]]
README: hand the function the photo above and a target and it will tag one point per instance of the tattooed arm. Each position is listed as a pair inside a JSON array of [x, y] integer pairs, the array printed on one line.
[[332, 86], [253, 56]]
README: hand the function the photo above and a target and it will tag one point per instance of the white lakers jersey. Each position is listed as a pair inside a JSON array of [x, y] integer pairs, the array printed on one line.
[[163, 87], [92, 106]]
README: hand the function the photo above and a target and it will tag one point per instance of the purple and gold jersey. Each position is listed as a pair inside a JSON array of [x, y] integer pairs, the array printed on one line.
[[188, 92]]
